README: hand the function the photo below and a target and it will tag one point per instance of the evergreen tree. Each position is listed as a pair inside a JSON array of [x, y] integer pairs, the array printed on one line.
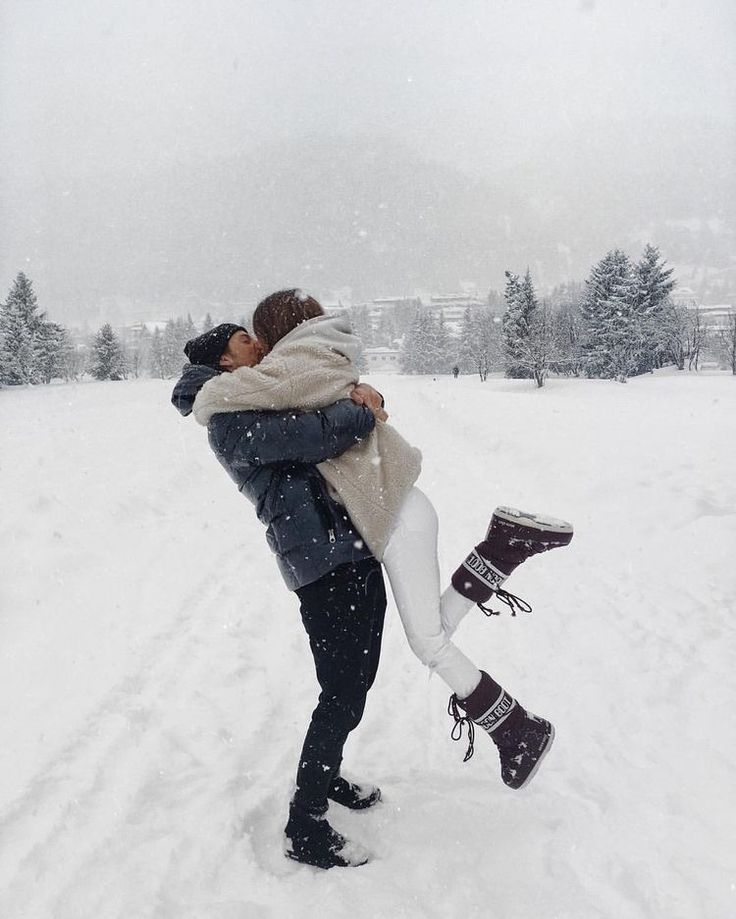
[[403, 315], [521, 306], [49, 343], [207, 324], [157, 356], [652, 286], [443, 356], [172, 343], [360, 320], [465, 348], [612, 341], [189, 329], [567, 330], [413, 352], [107, 356], [19, 326]]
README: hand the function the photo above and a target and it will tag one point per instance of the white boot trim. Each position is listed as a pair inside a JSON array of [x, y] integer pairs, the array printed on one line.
[[484, 570], [497, 713]]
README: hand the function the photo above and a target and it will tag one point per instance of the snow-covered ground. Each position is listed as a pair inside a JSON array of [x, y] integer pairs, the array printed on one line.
[[156, 681]]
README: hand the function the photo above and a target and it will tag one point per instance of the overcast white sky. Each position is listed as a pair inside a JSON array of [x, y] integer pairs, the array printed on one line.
[[573, 100], [479, 82]]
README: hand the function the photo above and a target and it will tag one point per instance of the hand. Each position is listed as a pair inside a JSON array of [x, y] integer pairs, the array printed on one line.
[[366, 395]]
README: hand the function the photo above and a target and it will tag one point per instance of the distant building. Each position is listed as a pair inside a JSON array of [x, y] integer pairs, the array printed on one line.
[[393, 302], [713, 317], [453, 309], [382, 360]]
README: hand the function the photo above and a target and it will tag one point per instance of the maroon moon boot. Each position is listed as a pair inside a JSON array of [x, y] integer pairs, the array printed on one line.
[[512, 537], [522, 739]]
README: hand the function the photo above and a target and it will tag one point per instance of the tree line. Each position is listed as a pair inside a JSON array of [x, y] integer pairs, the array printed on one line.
[[621, 322], [35, 350]]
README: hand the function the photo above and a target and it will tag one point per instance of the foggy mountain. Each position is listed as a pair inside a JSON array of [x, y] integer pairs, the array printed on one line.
[[368, 215]]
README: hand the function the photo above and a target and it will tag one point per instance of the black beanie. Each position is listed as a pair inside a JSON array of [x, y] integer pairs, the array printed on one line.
[[208, 348]]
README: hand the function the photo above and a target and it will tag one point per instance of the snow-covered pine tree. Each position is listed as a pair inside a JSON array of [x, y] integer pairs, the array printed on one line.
[[189, 330], [156, 356], [175, 335], [567, 329], [442, 357], [427, 351], [49, 343], [465, 347], [19, 325], [612, 339], [414, 345], [207, 324], [521, 305], [652, 286], [108, 362], [360, 320]]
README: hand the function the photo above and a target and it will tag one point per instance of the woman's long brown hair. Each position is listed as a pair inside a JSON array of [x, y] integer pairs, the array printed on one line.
[[281, 312]]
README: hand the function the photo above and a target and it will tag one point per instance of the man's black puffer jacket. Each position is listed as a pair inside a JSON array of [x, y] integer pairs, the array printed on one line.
[[272, 457]]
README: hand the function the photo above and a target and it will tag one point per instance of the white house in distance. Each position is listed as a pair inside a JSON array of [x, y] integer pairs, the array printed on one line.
[[715, 317], [382, 360]]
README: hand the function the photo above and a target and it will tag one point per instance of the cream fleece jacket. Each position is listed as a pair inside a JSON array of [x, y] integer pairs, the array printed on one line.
[[310, 368]]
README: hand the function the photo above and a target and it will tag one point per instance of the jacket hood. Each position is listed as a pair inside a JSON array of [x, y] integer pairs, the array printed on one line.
[[332, 331], [193, 378]]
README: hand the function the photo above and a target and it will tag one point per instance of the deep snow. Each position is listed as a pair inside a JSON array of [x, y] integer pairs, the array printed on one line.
[[156, 680]]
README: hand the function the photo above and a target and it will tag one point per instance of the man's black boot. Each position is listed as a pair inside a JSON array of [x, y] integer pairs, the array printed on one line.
[[356, 797], [311, 840]]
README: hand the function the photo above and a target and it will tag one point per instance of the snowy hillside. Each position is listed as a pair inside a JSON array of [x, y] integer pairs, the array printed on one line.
[[156, 680]]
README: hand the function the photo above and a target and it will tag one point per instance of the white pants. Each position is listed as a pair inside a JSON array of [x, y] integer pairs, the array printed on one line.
[[429, 620]]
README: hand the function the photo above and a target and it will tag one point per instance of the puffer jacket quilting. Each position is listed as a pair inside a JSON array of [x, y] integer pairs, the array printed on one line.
[[272, 457]]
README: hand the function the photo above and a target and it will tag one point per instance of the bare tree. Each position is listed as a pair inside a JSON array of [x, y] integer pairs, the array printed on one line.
[[727, 338], [696, 334], [684, 335], [674, 334]]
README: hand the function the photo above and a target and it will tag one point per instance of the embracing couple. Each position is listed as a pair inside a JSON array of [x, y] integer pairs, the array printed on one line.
[[333, 483]]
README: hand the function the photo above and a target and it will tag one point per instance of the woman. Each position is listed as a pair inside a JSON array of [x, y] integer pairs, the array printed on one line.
[[310, 363]]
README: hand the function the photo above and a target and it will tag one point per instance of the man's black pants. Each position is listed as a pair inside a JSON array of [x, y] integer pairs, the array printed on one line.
[[343, 614]]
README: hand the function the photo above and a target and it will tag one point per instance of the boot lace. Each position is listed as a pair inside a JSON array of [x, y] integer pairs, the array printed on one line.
[[514, 603], [457, 729]]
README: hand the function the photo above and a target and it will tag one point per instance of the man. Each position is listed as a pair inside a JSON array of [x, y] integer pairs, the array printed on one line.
[[272, 457]]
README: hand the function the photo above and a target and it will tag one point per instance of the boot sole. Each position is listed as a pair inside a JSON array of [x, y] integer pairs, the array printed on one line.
[[324, 865], [533, 521], [539, 761]]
